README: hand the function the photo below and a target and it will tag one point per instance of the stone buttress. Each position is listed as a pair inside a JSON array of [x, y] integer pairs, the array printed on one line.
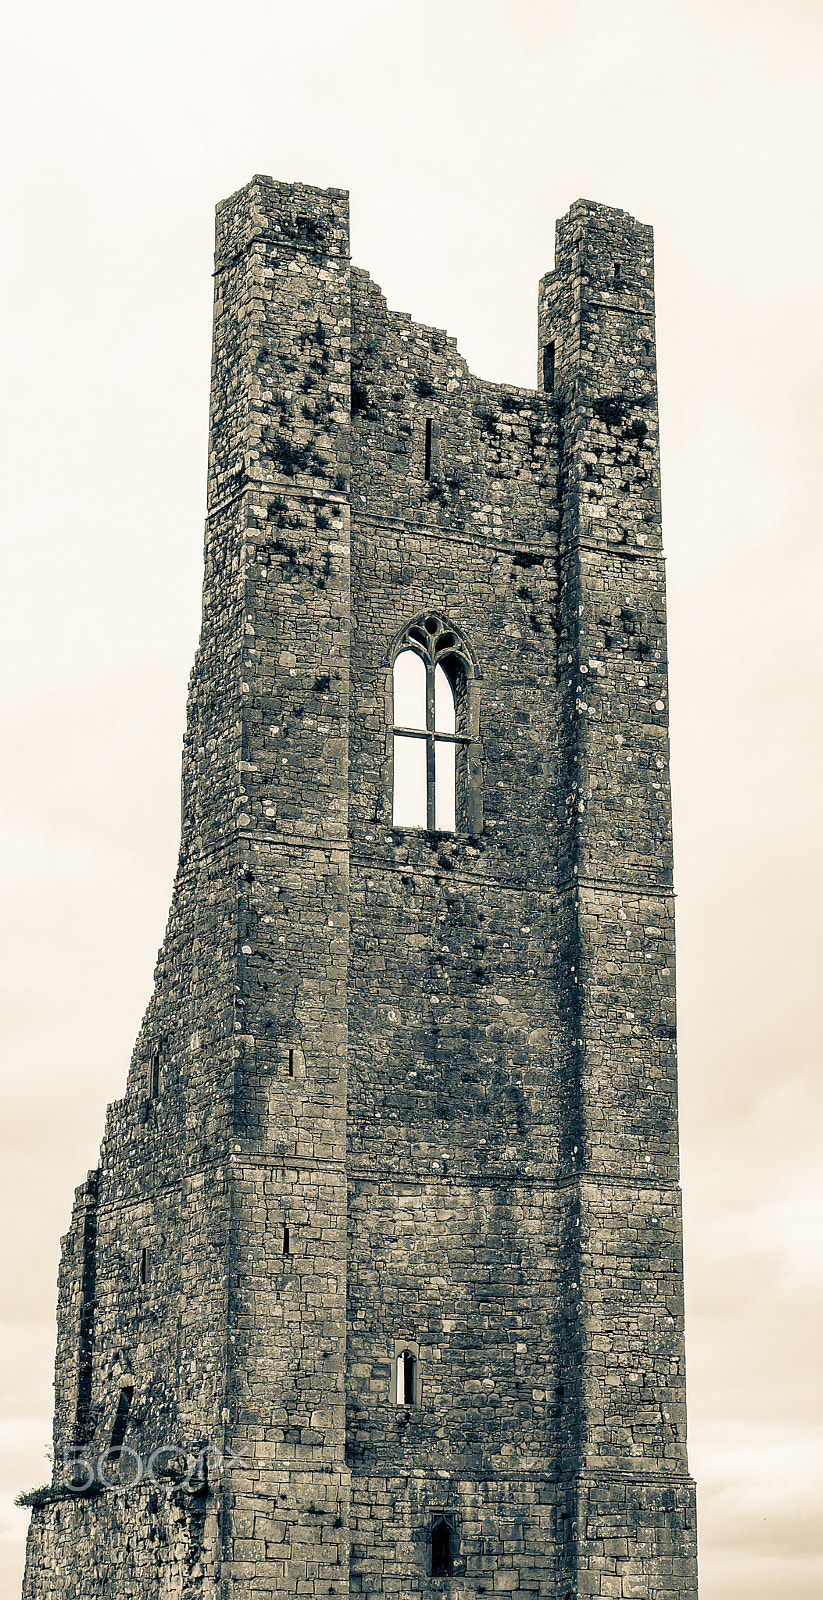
[[635, 1500], [377, 1290]]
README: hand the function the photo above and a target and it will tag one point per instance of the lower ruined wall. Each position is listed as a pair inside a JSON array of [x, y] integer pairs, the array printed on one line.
[[262, 1529], [636, 1539], [526, 1536], [510, 1536], [137, 1544]]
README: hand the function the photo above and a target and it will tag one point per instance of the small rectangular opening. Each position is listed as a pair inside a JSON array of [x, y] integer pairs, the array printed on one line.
[[286, 1250], [548, 367], [405, 1378], [144, 1264], [427, 465], [154, 1075], [617, 269], [291, 1063]]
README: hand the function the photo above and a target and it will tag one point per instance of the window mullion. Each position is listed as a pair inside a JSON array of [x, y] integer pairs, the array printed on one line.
[[430, 806]]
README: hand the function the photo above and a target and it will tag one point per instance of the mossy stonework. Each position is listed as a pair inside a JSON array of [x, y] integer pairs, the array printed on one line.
[[377, 1290]]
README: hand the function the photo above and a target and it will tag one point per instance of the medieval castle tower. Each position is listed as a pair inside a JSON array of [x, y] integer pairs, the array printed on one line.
[[385, 1235]]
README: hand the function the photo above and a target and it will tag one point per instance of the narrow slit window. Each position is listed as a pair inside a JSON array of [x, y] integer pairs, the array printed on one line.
[[427, 463], [286, 1249], [144, 1264], [406, 1365], [617, 269], [548, 367], [154, 1074], [121, 1420], [291, 1063]]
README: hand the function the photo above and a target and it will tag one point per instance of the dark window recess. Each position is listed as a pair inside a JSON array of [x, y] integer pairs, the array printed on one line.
[[87, 1303], [617, 269], [154, 1073], [427, 464], [144, 1264], [121, 1418], [442, 1543], [291, 1063], [548, 367], [286, 1250]]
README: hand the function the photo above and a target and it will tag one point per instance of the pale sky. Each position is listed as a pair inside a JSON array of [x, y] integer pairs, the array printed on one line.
[[462, 130]]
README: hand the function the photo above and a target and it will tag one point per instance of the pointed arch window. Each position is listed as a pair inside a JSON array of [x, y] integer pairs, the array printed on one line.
[[445, 1556], [433, 712]]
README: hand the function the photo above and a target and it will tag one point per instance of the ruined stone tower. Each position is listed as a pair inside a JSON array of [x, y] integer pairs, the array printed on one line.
[[377, 1290]]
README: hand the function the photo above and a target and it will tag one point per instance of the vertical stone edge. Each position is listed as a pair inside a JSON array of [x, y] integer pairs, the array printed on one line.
[[634, 1524], [285, 1516]]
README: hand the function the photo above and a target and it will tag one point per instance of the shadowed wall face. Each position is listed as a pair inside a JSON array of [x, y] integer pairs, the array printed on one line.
[[386, 1229]]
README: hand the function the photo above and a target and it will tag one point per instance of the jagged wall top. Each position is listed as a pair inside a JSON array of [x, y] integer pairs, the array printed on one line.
[[294, 213]]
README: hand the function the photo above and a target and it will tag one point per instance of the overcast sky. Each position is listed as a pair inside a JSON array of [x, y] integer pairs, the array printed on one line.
[[462, 131]]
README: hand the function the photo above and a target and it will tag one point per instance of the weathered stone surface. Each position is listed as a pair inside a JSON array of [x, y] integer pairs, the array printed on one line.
[[398, 1089]]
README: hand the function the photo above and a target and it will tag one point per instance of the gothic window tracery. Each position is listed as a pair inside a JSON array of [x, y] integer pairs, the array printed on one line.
[[432, 670]]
